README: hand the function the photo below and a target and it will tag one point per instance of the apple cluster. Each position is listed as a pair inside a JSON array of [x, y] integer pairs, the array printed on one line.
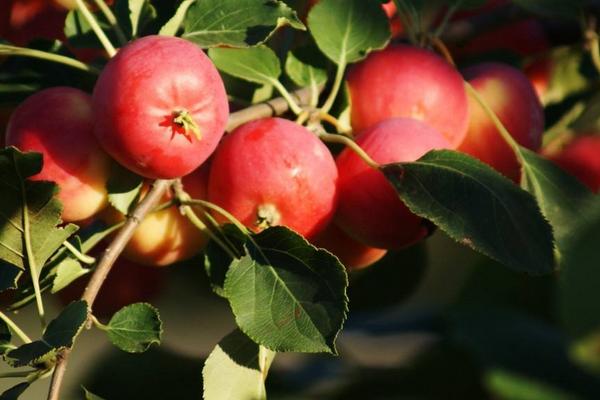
[[159, 109]]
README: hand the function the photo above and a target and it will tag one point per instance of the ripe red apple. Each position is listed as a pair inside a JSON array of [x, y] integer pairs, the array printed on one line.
[[510, 95], [58, 123], [581, 158], [369, 209], [354, 255], [166, 237], [273, 171], [405, 81], [160, 106], [127, 283]]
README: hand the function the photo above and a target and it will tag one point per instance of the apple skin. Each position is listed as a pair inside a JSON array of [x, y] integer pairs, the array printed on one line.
[[135, 99], [58, 122], [581, 158], [166, 237], [513, 99], [277, 168], [405, 81], [127, 283], [354, 255], [370, 210]]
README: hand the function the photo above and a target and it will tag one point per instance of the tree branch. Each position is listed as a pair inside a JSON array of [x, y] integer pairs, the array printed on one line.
[[276, 106], [105, 264]]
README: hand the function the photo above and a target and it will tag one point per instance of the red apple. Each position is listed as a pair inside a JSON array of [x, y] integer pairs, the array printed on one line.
[[58, 123], [160, 107], [370, 210], [510, 95], [405, 81], [354, 255], [581, 158], [273, 171]]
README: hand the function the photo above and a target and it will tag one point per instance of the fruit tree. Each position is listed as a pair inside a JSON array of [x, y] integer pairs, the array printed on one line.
[[403, 193]]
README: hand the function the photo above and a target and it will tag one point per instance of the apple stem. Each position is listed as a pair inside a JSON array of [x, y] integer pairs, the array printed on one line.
[[296, 109], [442, 49], [89, 17], [98, 324], [15, 328], [345, 140], [9, 50], [337, 84], [31, 261], [112, 20], [267, 216], [339, 127], [84, 258], [184, 119], [184, 200]]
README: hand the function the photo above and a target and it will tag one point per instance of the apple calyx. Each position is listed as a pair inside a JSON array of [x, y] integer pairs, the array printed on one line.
[[184, 119], [267, 215]]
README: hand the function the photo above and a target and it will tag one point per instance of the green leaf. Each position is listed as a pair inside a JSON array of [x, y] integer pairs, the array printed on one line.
[[257, 64], [90, 396], [141, 13], [36, 198], [135, 328], [510, 386], [66, 272], [236, 369], [553, 8], [578, 296], [236, 23], [14, 392], [347, 30], [134, 15], [123, 188], [174, 23], [60, 334], [91, 236], [478, 207], [562, 198], [302, 69], [286, 294]]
